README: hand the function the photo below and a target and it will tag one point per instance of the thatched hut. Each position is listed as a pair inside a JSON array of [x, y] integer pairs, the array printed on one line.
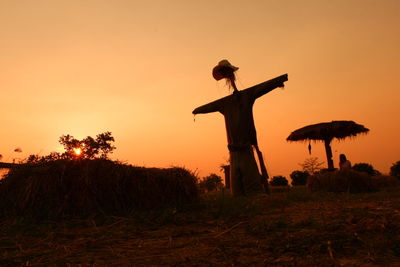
[[326, 132]]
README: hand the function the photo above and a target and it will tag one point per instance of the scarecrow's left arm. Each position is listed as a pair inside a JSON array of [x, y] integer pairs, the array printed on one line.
[[265, 87], [210, 107]]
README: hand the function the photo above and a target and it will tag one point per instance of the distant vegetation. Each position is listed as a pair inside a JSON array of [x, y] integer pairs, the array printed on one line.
[[366, 168], [299, 177], [87, 148], [211, 183], [279, 181], [395, 169]]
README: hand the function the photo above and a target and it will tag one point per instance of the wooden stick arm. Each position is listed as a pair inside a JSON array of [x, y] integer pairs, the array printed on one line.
[[256, 91], [210, 107], [265, 87]]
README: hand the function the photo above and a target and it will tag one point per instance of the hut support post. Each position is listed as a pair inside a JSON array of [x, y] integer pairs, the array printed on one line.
[[329, 154]]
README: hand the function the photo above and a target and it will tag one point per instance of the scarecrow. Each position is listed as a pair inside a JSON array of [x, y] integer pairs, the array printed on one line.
[[237, 109]]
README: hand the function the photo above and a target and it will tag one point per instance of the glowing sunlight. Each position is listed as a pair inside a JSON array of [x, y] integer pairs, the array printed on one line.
[[78, 151]]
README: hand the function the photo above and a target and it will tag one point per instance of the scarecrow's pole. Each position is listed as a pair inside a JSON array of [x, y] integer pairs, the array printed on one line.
[[263, 169]]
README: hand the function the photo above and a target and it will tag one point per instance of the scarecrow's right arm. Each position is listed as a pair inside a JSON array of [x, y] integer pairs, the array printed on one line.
[[265, 87], [210, 107]]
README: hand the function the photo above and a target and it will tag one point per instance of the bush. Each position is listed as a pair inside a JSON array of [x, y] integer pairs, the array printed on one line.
[[279, 181], [366, 168], [349, 181], [385, 182], [210, 183], [395, 169], [299, 178], [91, 187]]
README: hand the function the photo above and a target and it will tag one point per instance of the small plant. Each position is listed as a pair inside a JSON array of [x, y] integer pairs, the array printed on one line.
[[279, 181], [366, 168], [311, 165], [299, 177], [395, 169]]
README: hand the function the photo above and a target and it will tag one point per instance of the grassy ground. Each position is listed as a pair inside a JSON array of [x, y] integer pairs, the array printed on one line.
[[288, 228]]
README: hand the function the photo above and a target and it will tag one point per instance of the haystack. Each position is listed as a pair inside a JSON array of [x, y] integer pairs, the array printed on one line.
[[92, 187], [347, 181]]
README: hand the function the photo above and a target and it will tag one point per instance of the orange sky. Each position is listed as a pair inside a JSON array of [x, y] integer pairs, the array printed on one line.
[[138, 69]]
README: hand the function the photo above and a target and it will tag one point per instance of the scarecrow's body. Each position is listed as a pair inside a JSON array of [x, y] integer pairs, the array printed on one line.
[[241, 133]]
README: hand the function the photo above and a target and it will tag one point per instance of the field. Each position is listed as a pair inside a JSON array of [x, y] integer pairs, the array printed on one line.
[[287, 228]]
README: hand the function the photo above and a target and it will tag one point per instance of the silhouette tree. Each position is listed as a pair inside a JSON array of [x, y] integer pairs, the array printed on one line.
[[70, 143], [311, 165], [51, 157], [88, 147], [103, 141]]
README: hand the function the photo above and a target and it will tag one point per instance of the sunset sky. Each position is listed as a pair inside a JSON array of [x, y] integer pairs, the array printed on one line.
[[139, 68]]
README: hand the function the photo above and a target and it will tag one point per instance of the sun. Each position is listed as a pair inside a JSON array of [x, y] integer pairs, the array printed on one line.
[[77, 151]]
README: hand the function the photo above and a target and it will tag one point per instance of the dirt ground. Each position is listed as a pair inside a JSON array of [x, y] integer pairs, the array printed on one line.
[[284, 229]]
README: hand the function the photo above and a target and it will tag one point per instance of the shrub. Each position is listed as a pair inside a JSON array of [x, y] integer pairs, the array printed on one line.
[[366, 168], [385, 182], [395, 169], [341, 181], [299, 178], [312, 165], [211, 182], [90, 187], [279, 181]]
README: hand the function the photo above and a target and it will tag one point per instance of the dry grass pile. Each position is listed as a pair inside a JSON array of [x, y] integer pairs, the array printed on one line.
[[90, 187], [341, 181], [385, 182]]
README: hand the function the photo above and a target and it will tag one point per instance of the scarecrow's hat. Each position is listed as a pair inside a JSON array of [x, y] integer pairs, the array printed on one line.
[[224, 69]]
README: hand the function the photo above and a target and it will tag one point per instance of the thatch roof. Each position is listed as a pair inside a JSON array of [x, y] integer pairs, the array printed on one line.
[[327, 131]]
